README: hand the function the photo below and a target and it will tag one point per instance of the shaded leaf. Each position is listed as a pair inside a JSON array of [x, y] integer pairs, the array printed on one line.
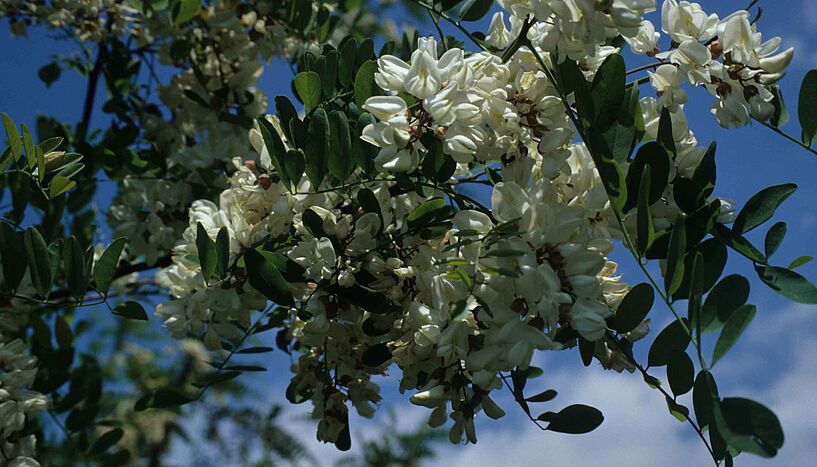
[[39, 262], [634, 308], [266, 278], [748, 426], [732, 330], [131, 310], [774, 237], [575, 419], [762, 206], [308, 87], [105, 267], [788, 284], [207, 252], [673, 339], [161, 399], [680, 373], [364, 82], [806, 104]]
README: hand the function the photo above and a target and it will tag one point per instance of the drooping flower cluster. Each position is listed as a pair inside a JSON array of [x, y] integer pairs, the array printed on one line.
[[18, 402], [459, 297], [728, 57]]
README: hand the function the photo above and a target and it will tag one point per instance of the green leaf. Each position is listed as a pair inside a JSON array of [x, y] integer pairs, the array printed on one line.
[[59, 185], [165, 398], [363, 153], [705, 175], [715, 255], [275, 148], [295, 165], [76, 267], [425, 212], [40, 163], [727, 296], [13, 256], [364, 82], [704, 392], [680, 373], [49, 73], [762, 206], [339, 162], [348, 52], [317, 147], [106, 441], [774, 237], [222, 253], [748, 426], [608, 90], [28, 144], [266, 278], [644, 226], [674, 275], [185, 10], [286, 113], [656, 158], [105, 267], [610, 172], [788, 284], [574, 419], [805, 259], [131, 310], [206, 249], [696, 291], [732, 330], [14, 142], [781, 113], [329, 77], [806, 104], [665, 137], [376, 355], [308, 86], [474, 10], [672, 339], [39, 262], [738, 243], [634, 308]]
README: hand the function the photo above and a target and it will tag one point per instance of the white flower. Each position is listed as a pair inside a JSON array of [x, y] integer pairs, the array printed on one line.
[[687, 21], [391, 73], [423, 78], [317, 256], [667, 80], [498, 34], [646, 40]]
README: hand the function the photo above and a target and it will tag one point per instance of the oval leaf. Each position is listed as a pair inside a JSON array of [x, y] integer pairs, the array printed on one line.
[[265, 278], [575, 419], [762, 206], [105, 267], [732, 331]]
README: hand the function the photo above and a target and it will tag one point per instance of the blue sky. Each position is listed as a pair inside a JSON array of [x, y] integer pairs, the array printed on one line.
[[772, 364]]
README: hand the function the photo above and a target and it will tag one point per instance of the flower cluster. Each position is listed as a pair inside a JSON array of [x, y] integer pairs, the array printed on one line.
[[728, 57], [457, 294], [18, 402]]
